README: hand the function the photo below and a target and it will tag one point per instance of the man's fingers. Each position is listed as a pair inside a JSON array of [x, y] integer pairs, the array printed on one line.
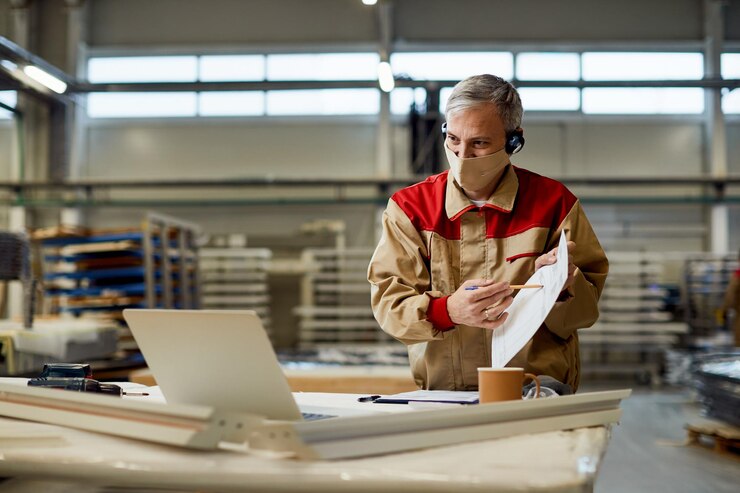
[[495, 324], [493, 301], [485, 292], [476, 283], [543, 261], [494, 311]]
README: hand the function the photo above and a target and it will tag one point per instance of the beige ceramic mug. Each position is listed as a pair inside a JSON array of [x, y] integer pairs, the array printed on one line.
[[503, 384]]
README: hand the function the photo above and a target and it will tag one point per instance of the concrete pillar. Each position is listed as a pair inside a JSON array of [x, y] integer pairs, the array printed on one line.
[[385, 127], [17, 223], [715, 131], [384, 157], [75, 123]]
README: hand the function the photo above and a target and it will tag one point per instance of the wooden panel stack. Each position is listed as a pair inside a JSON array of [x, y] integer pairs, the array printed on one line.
[[335, 300], [637, 322], [705, 281], [98, 273], [236, 278]]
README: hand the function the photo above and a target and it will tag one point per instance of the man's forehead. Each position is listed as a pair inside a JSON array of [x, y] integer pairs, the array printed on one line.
[[483, 116]]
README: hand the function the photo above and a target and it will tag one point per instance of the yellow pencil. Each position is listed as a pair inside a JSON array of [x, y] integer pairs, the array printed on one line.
[[513, 286]]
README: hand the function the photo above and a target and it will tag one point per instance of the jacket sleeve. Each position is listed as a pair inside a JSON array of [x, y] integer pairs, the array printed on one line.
[[732, 294], [400, 280], [580, 308]]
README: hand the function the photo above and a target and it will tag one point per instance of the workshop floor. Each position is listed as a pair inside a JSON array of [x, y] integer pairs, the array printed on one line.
[[647, 452]]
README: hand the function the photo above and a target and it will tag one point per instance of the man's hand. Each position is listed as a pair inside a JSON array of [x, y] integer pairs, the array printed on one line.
[[482, 307], [551, 257]]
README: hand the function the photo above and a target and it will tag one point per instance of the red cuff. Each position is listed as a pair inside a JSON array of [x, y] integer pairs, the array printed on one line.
[[437, 314]]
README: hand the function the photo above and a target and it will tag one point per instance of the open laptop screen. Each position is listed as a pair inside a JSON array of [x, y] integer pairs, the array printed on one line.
[[214, 358]]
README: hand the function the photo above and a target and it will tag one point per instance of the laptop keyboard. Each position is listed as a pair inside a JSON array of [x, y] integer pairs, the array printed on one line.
[[315, 416]]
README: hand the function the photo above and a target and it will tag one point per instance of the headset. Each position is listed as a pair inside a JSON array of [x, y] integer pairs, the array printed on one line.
[[514, 139]]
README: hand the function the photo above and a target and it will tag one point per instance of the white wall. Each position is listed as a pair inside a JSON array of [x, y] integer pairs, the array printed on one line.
[[598, 147], [324, 149], [318, 148]]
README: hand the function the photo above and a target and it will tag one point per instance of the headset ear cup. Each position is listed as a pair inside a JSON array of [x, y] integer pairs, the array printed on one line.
[[514, 143]]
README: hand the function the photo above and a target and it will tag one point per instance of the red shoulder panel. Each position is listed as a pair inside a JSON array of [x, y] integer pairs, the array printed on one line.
[[424, 204], [540, 202]]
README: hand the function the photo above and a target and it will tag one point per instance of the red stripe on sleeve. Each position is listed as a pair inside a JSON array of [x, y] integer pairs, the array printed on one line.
[[438, 315]]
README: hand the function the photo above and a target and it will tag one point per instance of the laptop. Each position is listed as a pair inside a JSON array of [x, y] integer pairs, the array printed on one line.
[[218, 358]]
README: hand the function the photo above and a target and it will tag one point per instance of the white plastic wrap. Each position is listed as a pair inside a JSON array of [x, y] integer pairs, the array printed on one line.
[[63, 338]]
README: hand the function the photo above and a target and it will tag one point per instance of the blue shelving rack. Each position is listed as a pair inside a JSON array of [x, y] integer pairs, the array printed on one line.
[[105, 272]]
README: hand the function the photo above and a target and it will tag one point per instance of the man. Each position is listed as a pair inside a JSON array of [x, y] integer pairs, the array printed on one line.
[[731, 305], [453, 243]]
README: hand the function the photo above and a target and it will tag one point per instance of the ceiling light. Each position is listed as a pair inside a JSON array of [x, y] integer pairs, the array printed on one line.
[[45, 78], [369, 2], [9, 65], [385, 77]]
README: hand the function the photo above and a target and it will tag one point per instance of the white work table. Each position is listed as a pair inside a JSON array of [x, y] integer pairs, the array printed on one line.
[[563, 461]]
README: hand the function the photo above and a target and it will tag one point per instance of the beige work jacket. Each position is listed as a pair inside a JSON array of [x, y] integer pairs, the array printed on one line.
[[732, 301], [434, 238]]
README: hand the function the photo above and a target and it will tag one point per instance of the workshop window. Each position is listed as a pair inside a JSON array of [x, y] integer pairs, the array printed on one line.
[[731, 101], [643, 101], [444, 95], [452, 66], [9, 98], [548, 66], [730, 63], [231, 103], [143, 69], [231, 68], [141, 104], [323, 66], [642, 66], [324, 102], [550, 98], [403, 97]]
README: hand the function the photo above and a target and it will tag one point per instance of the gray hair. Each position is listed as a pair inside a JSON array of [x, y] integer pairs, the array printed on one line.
[[488, 88]]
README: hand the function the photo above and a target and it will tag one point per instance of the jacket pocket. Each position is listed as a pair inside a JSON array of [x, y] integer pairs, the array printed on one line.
[[521, 250], [444, 264], [522, 255]]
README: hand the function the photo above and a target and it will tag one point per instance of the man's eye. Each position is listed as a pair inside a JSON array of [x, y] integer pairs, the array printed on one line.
[[480, 143]]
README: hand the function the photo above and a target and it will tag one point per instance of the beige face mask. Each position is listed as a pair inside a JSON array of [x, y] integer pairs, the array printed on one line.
[[474, 174]]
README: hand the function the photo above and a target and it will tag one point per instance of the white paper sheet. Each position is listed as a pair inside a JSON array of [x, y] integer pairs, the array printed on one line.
[[457, 397], [530, 308]]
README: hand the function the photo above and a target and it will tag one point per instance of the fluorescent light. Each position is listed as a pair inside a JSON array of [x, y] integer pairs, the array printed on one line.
[[9, 65], [385, 77], [369, 2], [45, 78]]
